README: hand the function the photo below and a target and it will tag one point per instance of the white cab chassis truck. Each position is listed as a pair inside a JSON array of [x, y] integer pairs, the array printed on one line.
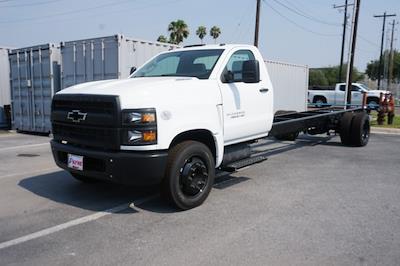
[[180, 117]]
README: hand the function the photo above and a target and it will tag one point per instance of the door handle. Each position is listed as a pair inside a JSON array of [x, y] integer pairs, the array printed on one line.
[[264, 90]]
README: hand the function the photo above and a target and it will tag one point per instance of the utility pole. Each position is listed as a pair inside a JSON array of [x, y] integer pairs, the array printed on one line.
[[353, 40], [391, 58], [343, 37], [257, 23], [384, 16]]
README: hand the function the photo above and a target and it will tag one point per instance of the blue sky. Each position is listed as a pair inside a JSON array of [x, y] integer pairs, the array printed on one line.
[[284, 35]]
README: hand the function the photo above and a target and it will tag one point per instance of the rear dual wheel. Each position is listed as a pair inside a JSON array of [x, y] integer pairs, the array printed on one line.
[[189, 174], [354, 129]]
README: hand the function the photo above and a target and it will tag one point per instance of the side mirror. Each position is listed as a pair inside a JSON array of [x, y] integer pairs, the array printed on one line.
[[133, 69], [228, 76], [251, 71]]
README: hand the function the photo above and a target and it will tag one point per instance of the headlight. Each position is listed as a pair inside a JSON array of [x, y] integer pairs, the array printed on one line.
[[139, 116], [139, 127]]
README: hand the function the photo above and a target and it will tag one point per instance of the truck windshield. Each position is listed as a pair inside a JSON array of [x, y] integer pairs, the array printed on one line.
[[191, 63], [364, 87]]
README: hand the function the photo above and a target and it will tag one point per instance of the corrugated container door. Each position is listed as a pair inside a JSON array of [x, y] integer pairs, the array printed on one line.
[[33, 83], [42, 89], [21, 101], [107, 49], [89, 60]]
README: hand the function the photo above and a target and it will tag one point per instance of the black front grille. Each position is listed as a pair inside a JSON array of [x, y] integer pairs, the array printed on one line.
[[90, 106], [100, 126]]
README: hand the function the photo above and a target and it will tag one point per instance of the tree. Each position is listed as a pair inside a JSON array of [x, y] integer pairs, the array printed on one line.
[[317, 78], [178, 31], [201, 32], [162, 38], [215, 32], [328, 76], [373, 67]]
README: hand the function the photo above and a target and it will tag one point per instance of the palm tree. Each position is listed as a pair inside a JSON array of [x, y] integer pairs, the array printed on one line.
[[178, 31], [215, 32], [162, 38], [201, 32]]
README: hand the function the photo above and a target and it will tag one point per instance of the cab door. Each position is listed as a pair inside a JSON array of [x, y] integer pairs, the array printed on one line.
[[247, 107], [356, 95]]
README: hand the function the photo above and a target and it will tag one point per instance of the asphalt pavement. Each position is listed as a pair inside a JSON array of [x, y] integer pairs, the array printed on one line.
[[313, 202]]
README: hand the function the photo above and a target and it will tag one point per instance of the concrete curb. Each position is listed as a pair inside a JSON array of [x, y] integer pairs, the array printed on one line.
[[380, 130]]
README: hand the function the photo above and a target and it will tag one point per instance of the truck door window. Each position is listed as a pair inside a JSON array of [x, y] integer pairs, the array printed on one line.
[[353, 88], [235, 63]]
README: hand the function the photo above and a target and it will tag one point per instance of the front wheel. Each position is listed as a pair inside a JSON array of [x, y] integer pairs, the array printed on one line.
[[189, 175]]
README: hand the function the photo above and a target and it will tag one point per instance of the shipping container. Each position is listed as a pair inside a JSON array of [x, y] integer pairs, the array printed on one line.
[[35, 78], [290, 83], [110, 57], [5, 99]]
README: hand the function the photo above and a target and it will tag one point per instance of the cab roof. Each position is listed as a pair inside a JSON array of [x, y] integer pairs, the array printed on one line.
[[212, 46]]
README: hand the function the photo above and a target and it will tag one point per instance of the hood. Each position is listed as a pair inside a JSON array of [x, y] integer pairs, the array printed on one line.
[[377, 92], [142, 92]]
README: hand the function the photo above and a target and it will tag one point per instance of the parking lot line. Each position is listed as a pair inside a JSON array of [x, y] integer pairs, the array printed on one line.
[[75, 222], [24, 146]]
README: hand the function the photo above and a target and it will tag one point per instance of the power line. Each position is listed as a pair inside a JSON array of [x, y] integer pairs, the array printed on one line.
[[298, 25], [65, 13], [236, 30], [366, 40], [32, 4], [108, 12], [305, 15]]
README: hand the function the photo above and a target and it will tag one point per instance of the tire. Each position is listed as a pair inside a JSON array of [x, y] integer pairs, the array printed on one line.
[[319, 102], [373, 103], [189, 175], [360, 130], [83, 179], [345, 128]]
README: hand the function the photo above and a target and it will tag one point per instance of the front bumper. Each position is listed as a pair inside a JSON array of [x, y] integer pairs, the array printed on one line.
[[124, 167]]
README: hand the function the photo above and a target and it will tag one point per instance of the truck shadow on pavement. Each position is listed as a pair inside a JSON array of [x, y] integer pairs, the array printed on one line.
[[60, 187]]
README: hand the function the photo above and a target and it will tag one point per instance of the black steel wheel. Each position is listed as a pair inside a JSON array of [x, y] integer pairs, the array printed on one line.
[[360, 130], [189, 174], [345, 128]]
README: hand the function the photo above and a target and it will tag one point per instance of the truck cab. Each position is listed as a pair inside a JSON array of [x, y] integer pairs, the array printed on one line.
[[171, 122]]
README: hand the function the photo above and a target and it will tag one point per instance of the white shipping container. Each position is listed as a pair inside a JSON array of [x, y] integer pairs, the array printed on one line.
[[290, 83], [34, 79], [102, 58], [4, 84]]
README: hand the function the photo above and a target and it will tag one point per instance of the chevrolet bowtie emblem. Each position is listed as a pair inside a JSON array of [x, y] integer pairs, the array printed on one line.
[[76, 116]]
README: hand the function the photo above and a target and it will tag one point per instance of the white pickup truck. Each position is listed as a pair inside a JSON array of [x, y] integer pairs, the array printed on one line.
[[178, 118], [321, 97]]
